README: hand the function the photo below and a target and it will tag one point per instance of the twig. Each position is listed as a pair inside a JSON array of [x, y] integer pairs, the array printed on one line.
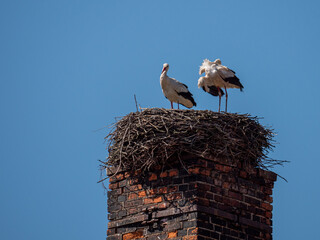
[[183, 164], [120, 157], [135, 99]]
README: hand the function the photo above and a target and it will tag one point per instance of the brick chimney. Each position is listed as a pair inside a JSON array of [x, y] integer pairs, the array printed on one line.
[[187, 175], [207, 200]]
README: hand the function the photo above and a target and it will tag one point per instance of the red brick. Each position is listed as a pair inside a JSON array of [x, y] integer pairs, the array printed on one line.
[[235, 195], [133, 181], [268, 214], [173, 173], [137, 173], [243, 174], [172, 234], [266, 190], [217, 190], [173, 189], [269, 199], [153, 191], [270, 185], [226, 185], [266, 206], [133, 196], [192, 231], [205, 172], [127, 174], [163, 174], [133, 203], [243, 206], [174, 196], [218, 198], [251, 193], [111, 231], [204, 202], [268, 221], [158, 167], [162, 205], [142, 193], [135, 187], [190, 238], [113, 185], [119, 176], [253, 201], [133, 210], [227, 168], [123, 183], [231, 202], [162, 190], [112, 179], [193, 185], [153, 200], [219, 167], [194, 170], [204, 186], [223, 168], [153, 177], [133, 235]]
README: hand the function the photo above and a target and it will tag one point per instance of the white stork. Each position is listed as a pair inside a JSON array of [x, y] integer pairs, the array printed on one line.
[[174, 90], [216, 77]]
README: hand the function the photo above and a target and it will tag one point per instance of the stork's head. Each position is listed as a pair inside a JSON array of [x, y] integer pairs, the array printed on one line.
[[217, 61], [205, 65], [165, 67]]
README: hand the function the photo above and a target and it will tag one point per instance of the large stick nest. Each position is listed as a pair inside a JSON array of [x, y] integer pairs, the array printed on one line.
[[144, 140]]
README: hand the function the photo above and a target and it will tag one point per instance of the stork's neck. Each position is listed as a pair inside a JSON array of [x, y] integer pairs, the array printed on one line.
[[164, 74], [164, 79]]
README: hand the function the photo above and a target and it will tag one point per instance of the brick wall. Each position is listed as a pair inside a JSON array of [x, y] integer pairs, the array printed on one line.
[[205, 200]]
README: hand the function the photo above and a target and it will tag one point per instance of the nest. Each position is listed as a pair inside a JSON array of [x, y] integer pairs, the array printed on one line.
[[148, 139]]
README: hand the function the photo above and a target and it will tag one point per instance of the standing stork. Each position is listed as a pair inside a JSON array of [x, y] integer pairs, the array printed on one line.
[[217, 77], [174, 90]]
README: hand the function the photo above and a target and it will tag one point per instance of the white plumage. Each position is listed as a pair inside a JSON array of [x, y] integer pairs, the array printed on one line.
[[174, 90], [216, 77]]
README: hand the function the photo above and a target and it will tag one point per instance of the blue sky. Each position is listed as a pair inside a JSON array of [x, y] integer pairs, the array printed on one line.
[[68, 68]]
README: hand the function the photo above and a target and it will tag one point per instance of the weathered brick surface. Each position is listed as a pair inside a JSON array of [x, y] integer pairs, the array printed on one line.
[[208, 200], [133, 235]]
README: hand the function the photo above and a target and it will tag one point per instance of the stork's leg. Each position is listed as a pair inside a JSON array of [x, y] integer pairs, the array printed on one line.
[[219, 98], [171, 105], [226, 97]]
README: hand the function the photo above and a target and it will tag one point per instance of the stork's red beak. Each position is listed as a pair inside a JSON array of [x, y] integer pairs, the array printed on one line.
[[163, 69]]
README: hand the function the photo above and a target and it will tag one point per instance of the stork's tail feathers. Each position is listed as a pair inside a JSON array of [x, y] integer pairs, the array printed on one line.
[[235, 81], [187, 95], [241, 87], [213, 90]]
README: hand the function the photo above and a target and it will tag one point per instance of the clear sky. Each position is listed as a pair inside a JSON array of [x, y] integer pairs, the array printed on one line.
[[68, 68]]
